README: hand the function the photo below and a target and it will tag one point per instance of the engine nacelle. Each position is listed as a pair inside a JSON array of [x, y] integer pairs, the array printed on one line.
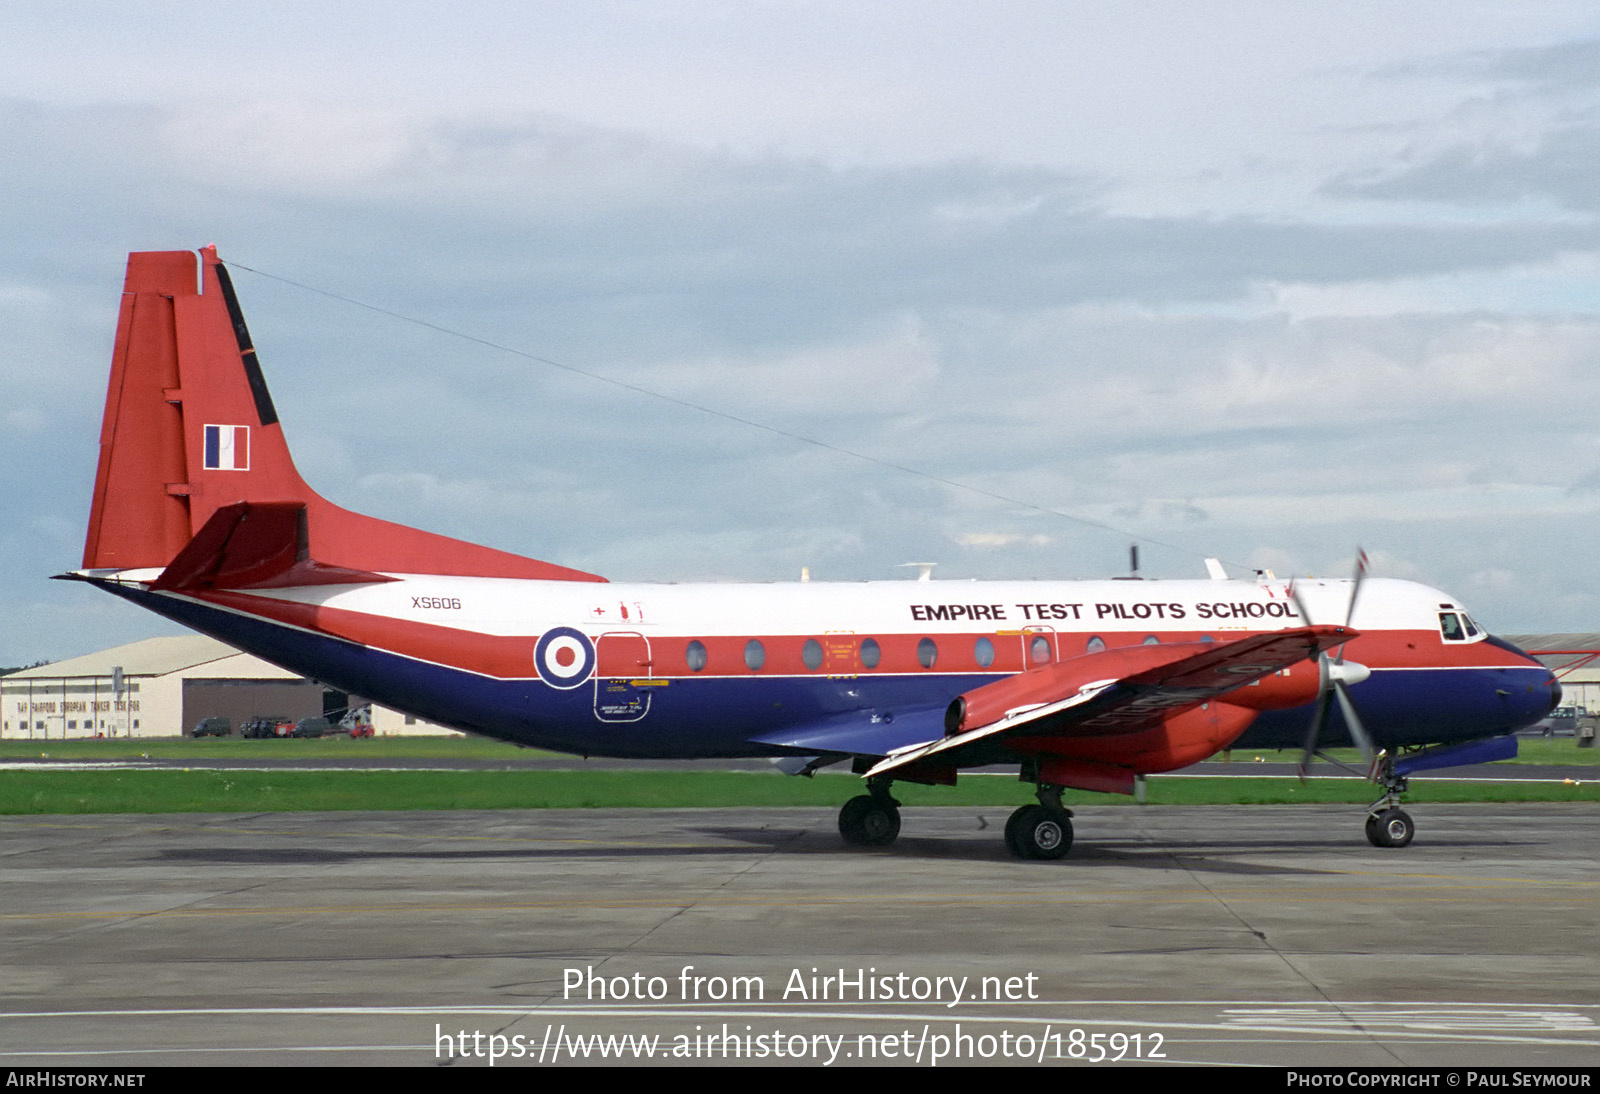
[[1050, 683], [1269, 684]]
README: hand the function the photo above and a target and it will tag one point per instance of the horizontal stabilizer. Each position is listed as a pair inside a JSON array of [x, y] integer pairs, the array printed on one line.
[[255, 545]]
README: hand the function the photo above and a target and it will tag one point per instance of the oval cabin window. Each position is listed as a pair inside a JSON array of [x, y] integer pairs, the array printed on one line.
[[871, 654], [811, 654]]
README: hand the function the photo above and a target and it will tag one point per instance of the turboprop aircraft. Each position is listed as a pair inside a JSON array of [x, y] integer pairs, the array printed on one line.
[[200, 516]]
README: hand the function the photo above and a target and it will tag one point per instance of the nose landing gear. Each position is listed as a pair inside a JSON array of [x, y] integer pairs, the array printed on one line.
[[1387, 824]]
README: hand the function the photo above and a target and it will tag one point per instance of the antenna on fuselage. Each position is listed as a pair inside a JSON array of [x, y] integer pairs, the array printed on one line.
[[924, 569], [1133, 565]]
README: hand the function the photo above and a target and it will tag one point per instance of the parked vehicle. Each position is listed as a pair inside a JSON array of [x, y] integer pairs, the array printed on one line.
[[312, 727], [1560, 722], [358, 722], [270, 725], [212, 727]]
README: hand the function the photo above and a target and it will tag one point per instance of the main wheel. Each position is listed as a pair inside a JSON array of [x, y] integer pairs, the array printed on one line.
[[867, 821], [1012, 823], [1036, 832], [1390, 828]]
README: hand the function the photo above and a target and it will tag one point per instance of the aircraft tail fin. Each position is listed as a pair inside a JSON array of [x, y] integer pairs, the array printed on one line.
[[190, 430]]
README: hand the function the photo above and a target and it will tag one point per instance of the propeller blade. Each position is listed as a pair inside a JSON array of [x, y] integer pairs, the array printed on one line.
[[1358, 732], [1299, 605], [1355, 591], [1318, 717], [1334, 676]]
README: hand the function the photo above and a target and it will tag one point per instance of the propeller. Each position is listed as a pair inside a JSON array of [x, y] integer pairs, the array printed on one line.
[[1335, 676]]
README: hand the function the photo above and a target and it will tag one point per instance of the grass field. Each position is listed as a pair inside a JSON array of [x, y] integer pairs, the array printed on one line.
[[1532, 750], [196, 791], [210, 791]]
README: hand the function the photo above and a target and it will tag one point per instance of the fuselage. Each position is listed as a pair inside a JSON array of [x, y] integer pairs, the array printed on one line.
[[723, 670], [200, 515]]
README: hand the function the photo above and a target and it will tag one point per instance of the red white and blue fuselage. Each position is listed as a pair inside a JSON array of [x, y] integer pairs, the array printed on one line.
[[200, 515], [724, 670]]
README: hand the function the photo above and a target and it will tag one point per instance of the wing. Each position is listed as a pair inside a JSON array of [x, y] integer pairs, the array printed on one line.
[[1086, 704], [860, 733]]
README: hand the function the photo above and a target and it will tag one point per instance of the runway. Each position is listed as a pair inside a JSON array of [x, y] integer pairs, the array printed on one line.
[[1187, 935]]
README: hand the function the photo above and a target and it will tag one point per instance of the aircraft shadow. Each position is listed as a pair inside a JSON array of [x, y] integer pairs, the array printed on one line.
[[1217, 857]]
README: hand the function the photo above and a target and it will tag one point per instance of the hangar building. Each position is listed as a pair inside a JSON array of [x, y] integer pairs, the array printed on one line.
[[162, 687]]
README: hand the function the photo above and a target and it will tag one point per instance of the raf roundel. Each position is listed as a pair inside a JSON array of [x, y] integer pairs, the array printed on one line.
[[564, 657]]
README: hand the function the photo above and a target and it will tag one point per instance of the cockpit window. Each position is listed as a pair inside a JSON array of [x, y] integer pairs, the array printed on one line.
[[1458, 626]]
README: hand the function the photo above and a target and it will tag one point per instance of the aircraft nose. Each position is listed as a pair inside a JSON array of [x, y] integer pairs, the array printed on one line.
[[1550, 690], [1554, 688], [1532, 700]]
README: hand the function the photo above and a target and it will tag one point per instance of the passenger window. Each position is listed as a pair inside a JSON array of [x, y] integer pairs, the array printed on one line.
[[1096, 644], [871, 654], [696, 655], [1151, 640], [811, 654], [755, 655], [1039, 650], [927, 653], [983, 651]]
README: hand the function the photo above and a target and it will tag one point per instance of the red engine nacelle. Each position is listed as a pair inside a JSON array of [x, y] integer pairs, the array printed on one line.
[[1051, 683]]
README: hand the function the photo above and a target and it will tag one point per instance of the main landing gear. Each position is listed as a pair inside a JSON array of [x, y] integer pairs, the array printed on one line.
[[871, 819], [1387, 824], [1042, 831]]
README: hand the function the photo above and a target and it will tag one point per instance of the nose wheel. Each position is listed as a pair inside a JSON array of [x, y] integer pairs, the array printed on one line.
[[1390, 828]]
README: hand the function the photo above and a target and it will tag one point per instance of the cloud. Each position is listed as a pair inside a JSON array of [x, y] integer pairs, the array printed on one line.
[[1557, 168], [1200, 309], [997, 540], [1522, 136]]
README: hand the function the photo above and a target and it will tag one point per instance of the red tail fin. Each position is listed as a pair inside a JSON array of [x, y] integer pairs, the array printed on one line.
[[190, 429]]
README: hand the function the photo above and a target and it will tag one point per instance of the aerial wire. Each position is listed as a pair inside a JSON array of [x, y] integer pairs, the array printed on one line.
[[725, 415]]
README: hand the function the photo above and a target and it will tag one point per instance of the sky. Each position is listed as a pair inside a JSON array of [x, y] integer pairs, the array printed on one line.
[[1004, 287]]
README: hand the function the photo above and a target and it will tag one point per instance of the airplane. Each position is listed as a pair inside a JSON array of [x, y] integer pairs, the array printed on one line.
[[199, 515]]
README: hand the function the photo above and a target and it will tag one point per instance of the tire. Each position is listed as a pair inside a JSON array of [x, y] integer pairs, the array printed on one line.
[[867, 821], [1390, 828], [1039, 833], [1012, 823]]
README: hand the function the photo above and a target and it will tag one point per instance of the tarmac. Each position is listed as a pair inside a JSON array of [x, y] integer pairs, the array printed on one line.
[[1170, 935]]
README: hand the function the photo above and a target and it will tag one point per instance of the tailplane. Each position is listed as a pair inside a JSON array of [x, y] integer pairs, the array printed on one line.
[[191, 443]]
